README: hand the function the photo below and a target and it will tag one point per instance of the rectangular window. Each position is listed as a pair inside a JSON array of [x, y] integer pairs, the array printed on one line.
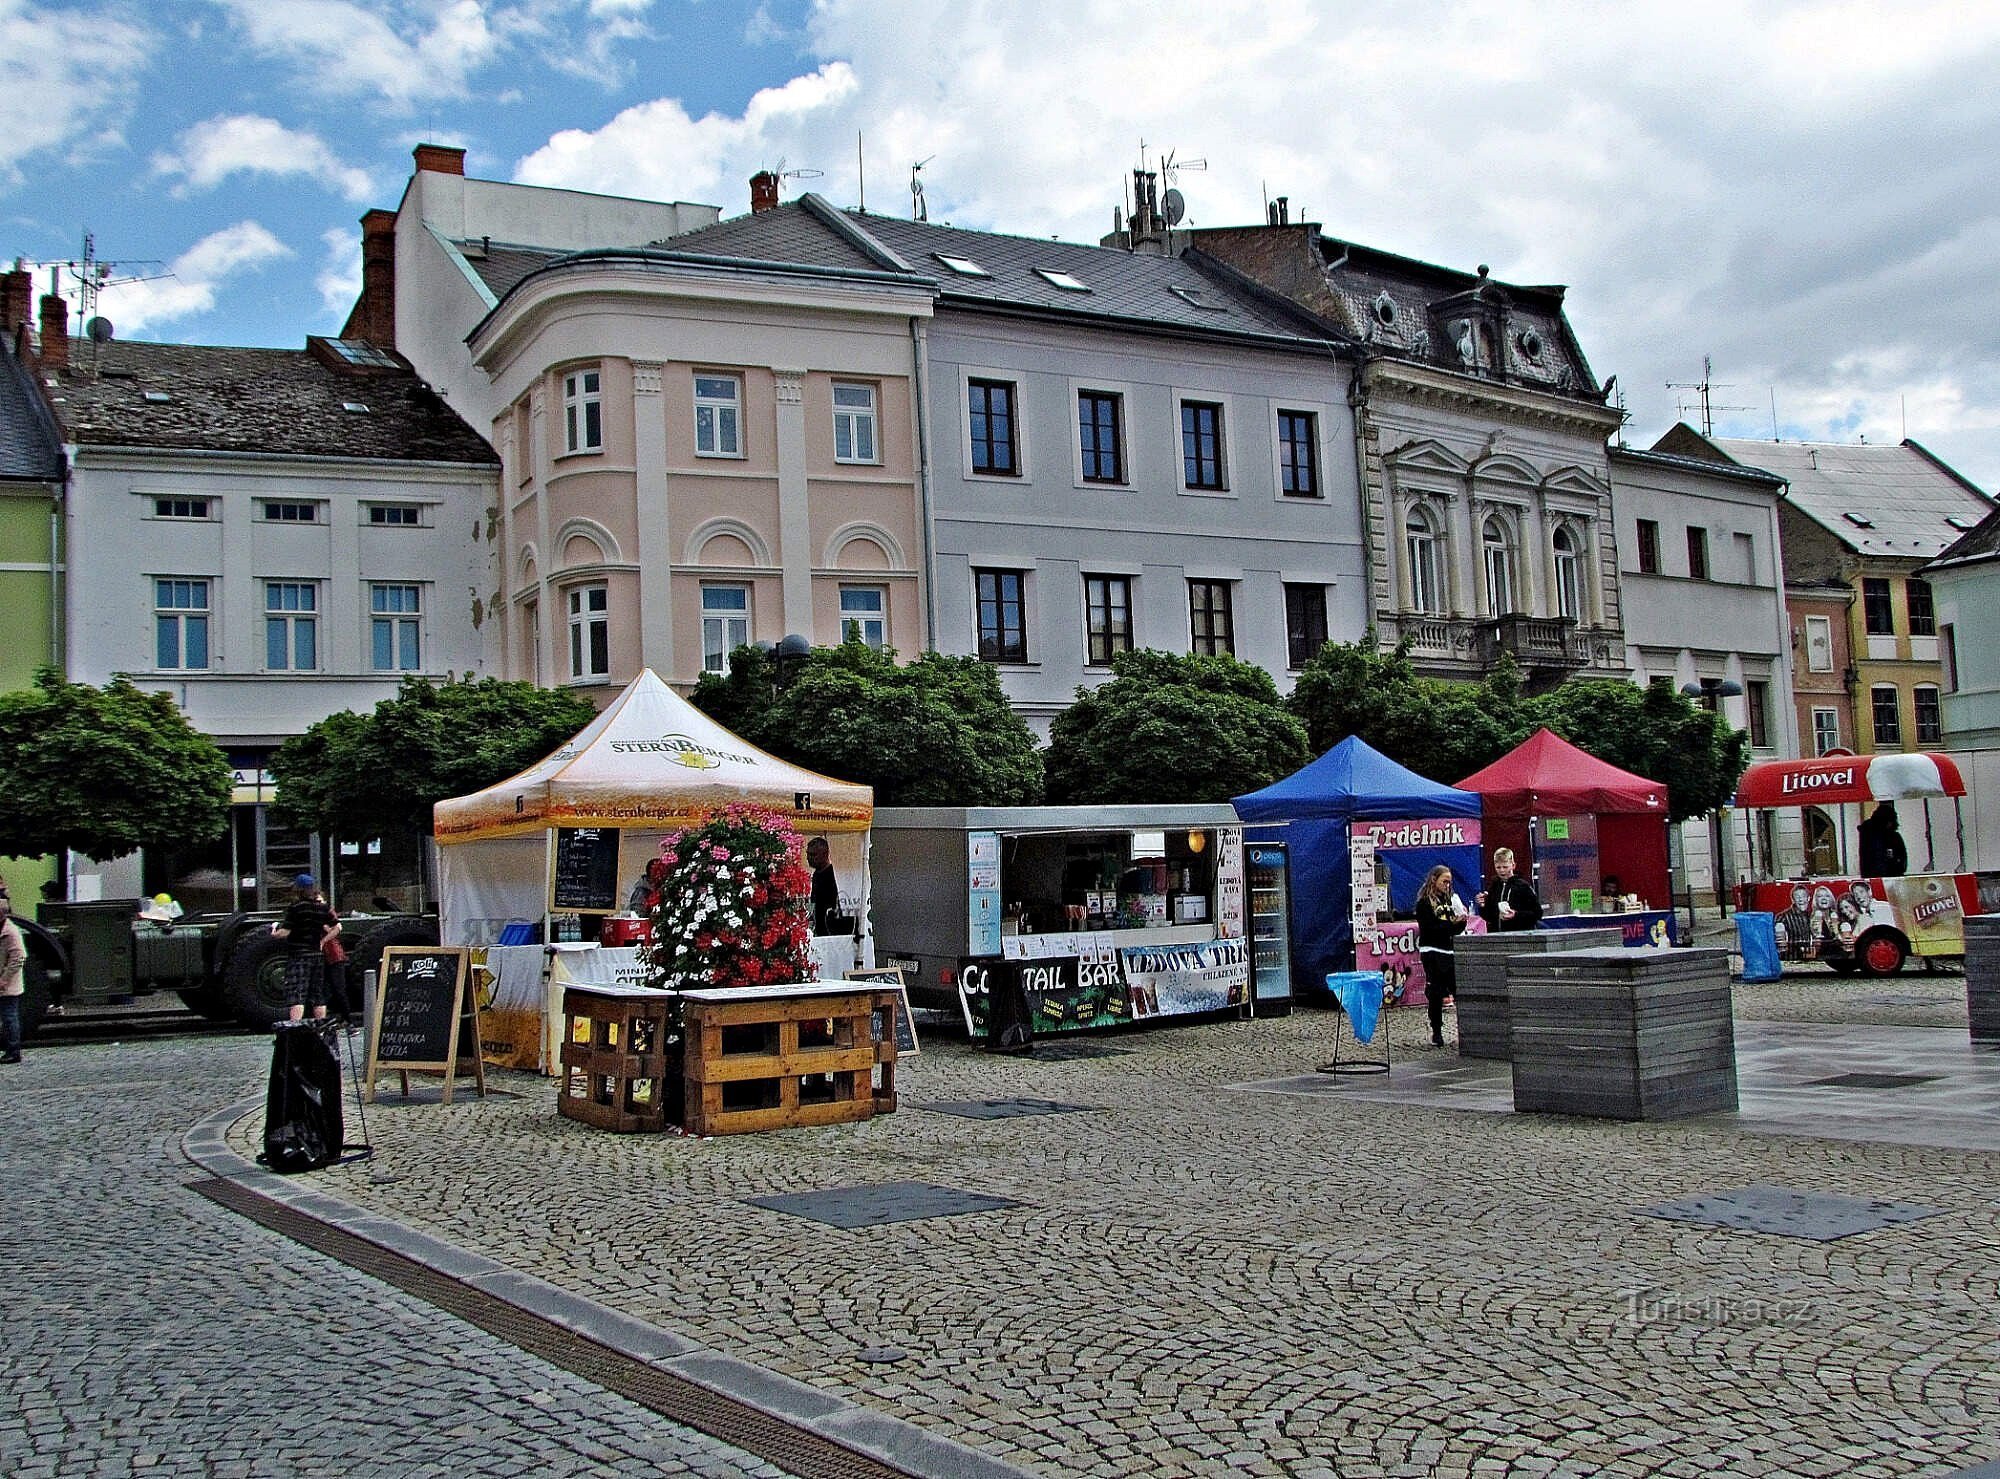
[[1826, 730], [854, 423], [1757, 707], [1923, 613], [180, 623], [1819, 644], [1882, 708], [291, 626], [1003, 629], [1107, 617], [1948, 655], [395, 628], [1211, 623], [1746, 558], [589, 631], [395, 515], [1930, 716], [278, 511], [180, 508], [1697, 553], [1878, 615], [718, 427], [864, 613], [583, 411], [990, 406], [725, 624], [1305, 623], [1298, 454], [1097, 428], [1201, 444], [1649, 546]]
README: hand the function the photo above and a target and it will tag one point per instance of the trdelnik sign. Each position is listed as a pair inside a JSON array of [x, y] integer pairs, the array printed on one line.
[[1402, 836]]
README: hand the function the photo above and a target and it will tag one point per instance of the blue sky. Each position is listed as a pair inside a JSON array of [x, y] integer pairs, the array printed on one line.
[[1800, 190]]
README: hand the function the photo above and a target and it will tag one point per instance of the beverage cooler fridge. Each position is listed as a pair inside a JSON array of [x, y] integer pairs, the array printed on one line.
[[1269, 868]]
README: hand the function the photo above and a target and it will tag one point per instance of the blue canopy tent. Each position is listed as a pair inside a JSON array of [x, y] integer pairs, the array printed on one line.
[[1350, 783]]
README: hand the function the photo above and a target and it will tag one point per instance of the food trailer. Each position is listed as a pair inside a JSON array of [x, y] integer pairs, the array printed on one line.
[[1848, 918], [1108, 915]]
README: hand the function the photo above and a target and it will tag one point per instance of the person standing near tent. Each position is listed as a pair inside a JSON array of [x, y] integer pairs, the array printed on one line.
[[1883, 854], [13, 967], [1510, 903], [1440, 917], [306, 923], [825, 888]]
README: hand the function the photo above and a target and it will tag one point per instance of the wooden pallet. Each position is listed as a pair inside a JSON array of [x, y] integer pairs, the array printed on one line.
[[617, 1070], [781, 1058]]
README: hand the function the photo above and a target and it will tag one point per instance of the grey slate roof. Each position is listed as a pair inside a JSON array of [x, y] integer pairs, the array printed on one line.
[[500, 267], [281, 401], [1702, 465], [1905, 494], [30, 450], [1980, 543]]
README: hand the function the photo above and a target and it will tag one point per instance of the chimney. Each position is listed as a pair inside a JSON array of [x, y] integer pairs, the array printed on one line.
[[17, 299], [439, 159], [763, 192], [374, 315], [55, 333]]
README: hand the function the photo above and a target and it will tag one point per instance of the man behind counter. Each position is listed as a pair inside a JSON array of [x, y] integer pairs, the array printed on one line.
[[827, 919]]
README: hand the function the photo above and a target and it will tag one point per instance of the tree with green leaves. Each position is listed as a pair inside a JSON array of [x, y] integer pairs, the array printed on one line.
[[105, 771], [934, 732], [1654, 732], [379, 774], [1169, 727]]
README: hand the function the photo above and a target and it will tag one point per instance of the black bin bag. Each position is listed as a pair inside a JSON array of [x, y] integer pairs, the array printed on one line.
[[303, 1128]]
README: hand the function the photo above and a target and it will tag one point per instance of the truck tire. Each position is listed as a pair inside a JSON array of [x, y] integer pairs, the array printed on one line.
[[364, 951], [207, 1001], [253, 986], [226, 935]]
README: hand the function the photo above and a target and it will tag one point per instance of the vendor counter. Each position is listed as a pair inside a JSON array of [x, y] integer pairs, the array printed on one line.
[[1641, 928]]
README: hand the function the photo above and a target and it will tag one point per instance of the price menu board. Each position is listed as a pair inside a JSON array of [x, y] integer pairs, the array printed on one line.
[[586, 871]]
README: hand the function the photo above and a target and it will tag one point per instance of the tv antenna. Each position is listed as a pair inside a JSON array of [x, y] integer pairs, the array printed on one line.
[[1703, 389], [801, 173], [90, 276], [919, 208]]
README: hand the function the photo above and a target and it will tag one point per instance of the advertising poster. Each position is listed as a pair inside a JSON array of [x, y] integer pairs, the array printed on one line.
[[982, 894], [1391, 948], [1229, 909], [1206, 976]]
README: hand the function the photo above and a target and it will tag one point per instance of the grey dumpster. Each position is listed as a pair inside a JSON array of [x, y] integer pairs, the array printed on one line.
[[1623, 1034], [1482, 980]]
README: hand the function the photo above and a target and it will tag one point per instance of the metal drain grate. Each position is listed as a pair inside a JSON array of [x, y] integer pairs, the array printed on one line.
[[794, 1449], [889, 1201], [1819, 1215], [1873, 1080], [1002, 1109]]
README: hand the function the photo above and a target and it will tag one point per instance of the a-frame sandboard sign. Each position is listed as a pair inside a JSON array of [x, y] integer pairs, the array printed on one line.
[[426, 1011]]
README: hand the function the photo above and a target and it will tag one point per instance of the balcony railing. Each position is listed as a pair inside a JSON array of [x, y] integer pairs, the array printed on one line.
[[1545, 646]]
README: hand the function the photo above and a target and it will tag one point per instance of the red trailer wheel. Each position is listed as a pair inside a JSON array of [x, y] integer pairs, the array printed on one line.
[[1882, 953]]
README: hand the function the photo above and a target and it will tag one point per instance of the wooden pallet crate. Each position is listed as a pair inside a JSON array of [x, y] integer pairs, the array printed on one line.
[[619, 1070], [783, 1057]]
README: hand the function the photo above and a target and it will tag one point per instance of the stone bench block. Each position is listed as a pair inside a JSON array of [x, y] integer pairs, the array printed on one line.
[[1482, 980], [1982, 976]]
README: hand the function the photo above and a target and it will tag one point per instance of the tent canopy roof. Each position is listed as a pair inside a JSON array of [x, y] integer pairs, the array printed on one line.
[[651, 760], [1354, 782], [1547, 776]]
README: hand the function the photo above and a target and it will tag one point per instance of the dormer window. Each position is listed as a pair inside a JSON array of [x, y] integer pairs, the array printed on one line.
[[1384, 308], [1531, 344], [1061, 280], [158, 397], [963, 266], [1859, 521]]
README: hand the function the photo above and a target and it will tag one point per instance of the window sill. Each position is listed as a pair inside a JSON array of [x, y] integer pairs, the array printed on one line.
[[1207, 493], [722, 456], [998, 477], [578, 452], [857, 462], [1301, 497], [596, 680]]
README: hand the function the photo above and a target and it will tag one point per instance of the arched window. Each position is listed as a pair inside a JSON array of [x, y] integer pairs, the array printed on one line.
[[1569, 580], [1426, 561], [1498, 546]]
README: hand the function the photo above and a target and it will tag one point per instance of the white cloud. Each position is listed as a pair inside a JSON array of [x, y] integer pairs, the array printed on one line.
[[345, 47], [66, 79], [193, 280], [339, 277], [244, 143]]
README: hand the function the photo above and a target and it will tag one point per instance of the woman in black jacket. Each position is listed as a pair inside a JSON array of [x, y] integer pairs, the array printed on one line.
[[1440, 917]]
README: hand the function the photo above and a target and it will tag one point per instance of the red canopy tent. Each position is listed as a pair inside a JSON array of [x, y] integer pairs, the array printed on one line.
[[1547, 776]]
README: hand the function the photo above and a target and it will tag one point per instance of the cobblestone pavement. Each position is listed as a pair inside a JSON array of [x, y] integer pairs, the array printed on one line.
[[1200, 1281], [144, 1330]]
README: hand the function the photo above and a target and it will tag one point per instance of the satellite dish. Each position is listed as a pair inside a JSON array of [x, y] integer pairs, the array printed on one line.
[[99, 330], [1174, 204]]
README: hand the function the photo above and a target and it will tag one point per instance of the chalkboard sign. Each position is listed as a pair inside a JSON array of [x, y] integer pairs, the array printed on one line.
[[426, 1016], [905, 1026], [586, 877]]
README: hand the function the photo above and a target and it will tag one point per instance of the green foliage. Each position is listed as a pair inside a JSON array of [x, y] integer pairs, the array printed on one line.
[[1442, 730], [104, 771], [1172, 728], [354, 775], [1654, 732], [934, 732]]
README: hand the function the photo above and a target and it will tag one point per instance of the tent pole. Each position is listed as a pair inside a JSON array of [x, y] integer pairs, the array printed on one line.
[[1930, 842]]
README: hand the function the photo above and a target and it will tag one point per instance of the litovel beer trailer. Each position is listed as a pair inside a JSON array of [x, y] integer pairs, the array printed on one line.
[[1836, 913]]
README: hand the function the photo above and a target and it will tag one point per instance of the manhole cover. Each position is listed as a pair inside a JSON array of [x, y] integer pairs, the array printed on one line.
[[1873, 1080], [1061, 1052], [1002, 1109], [1819, 1215], [871, 1206]]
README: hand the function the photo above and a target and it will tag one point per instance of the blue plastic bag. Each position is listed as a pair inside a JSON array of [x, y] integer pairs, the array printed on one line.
[[1757, 940], [1360, 996]]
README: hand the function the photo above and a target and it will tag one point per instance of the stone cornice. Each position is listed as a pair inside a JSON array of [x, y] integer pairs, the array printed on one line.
[[1425, 386]]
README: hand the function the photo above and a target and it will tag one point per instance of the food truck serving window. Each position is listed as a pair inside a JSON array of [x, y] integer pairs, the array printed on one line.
[[1065, 881]]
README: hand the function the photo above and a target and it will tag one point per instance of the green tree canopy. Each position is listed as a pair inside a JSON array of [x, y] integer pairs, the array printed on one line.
[[1440, 729], [370, 775], [934, 732], [1654, 732], [1173, 728], [104, 771]]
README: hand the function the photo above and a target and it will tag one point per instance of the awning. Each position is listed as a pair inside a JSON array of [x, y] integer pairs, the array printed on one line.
[[1836, 778]]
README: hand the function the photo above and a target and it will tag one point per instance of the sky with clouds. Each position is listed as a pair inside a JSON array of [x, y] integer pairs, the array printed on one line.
[[1801, 191]]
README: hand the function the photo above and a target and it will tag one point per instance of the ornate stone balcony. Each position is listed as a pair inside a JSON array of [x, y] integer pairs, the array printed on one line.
[[1547, 648]]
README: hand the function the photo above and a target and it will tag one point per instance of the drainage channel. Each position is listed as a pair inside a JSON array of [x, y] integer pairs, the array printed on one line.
[[807, 1454]]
